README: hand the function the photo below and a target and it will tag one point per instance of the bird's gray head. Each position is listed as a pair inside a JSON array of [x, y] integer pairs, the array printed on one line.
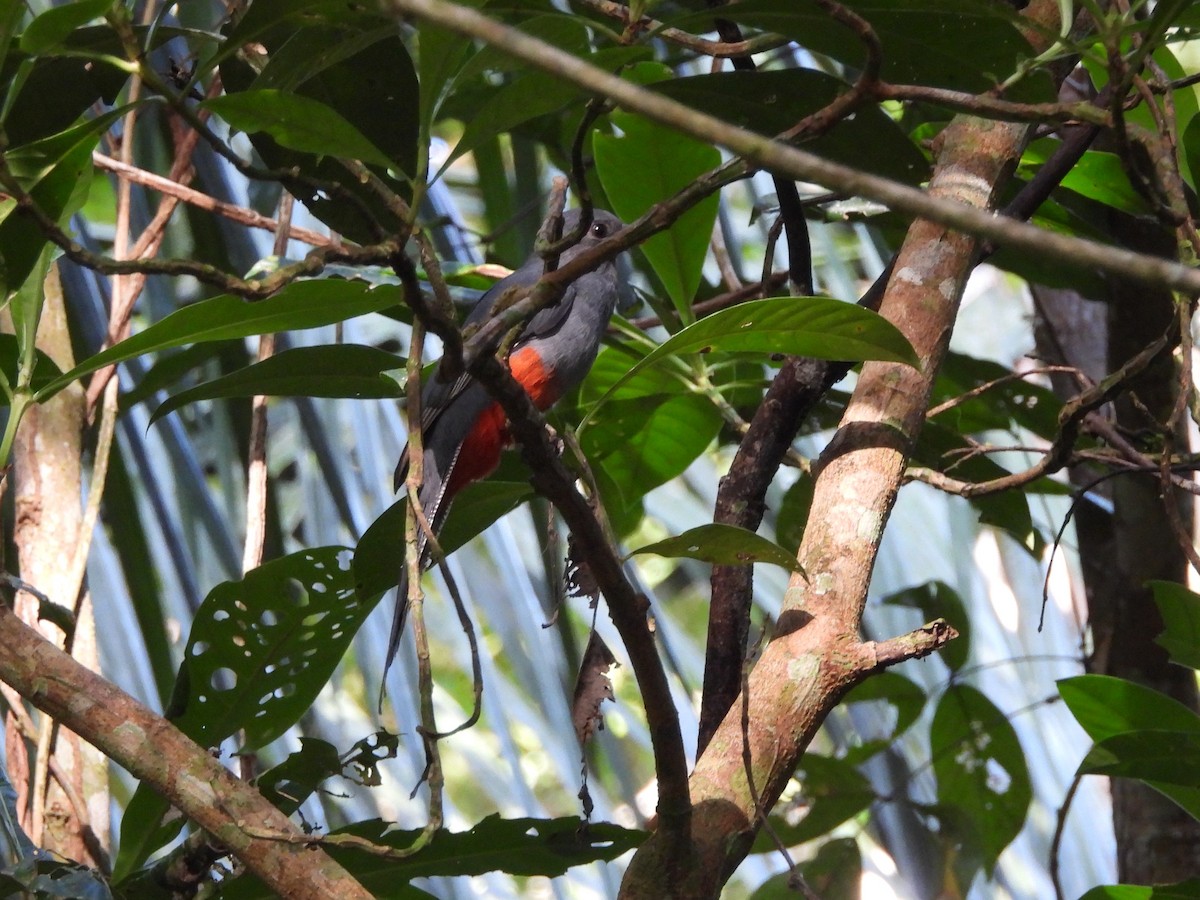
[[604, 224]]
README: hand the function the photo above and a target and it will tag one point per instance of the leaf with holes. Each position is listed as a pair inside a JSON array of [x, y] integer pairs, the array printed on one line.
[[262, 648], [983, 785]]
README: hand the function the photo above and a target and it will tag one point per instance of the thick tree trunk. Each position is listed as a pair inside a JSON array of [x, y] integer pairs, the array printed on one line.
[[1157, 842], [47, 484]]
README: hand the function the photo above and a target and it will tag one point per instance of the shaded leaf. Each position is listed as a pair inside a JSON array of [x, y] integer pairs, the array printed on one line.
[[793, 513], [337, 370], [296, 122], [1184, 890], [981, 771], [647, 164], [1180, 610], [380, 551], [966, 45], [1156, 756], [288, 784], [902, 694], [946, 450], [300, 305], [518, 846], [1007, 403], [937, 600], [490, 111], [772, 101], [725, 545], [351, 60], [832, 791], [835, 873], [44, 369]]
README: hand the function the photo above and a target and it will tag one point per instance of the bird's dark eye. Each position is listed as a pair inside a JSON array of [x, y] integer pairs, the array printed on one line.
[[599, 229]]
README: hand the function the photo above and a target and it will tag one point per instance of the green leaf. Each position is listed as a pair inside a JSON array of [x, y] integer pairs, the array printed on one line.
[[1157, 756], [303, 304], [261, 649], [936, 599], [940, 447], [1184, 890], [441, 53], [523, 847], [816, 327], [337, 370], [493, 111], [646, 164], [980, 770], [832, 791], [1105, 706], [10, 16], [288, 784], [966, 45], [352, 60], [1098, 175], [835, 873], [171, 367], [53, 26], [792, 515], [1180, 610], [146, 826], [902, 694], [1004, 403], [56, 172], [772, 101], [298, 123], [641, 443], [726, 545], [380, 551]]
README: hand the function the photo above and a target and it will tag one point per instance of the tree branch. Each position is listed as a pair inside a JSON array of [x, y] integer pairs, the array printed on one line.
[[946, 209], [157, 753]]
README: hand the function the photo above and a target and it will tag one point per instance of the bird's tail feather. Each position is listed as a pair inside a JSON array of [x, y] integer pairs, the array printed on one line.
[[435, 505]]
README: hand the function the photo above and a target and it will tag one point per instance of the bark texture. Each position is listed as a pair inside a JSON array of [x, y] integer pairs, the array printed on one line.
[[816, 655]]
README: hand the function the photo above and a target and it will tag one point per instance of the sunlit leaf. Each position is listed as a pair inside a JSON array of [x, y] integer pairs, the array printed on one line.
[[816, 327], [300, 305], [338, 370], [52, 27]]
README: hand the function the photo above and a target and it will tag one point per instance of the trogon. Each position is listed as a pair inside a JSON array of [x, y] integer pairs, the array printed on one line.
[[464, 430]]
